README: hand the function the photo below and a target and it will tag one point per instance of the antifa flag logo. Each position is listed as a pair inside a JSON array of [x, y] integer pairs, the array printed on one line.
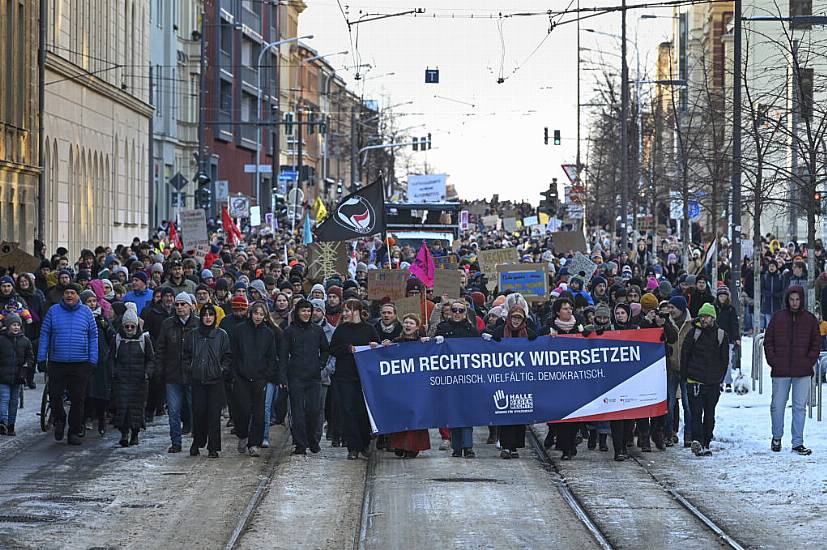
[[357, 214]]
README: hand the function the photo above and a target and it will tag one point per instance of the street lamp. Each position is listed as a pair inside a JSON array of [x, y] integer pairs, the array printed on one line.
[[264, 50]]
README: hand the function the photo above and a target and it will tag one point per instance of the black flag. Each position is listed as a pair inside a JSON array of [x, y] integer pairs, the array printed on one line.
[[359, 214]]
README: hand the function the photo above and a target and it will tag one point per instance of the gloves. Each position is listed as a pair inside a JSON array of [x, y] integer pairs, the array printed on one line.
[[486, 336], [439, 339]]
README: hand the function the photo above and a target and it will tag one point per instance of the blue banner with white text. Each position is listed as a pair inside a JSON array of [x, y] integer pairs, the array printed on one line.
[[473, 382]]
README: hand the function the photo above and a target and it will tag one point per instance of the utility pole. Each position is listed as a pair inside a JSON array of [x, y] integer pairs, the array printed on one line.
[[201, 94], [299, 161], [577, 155], [624, 138], [276, 112], [153, 205], [735, 282], [354, 147], [41, 98]]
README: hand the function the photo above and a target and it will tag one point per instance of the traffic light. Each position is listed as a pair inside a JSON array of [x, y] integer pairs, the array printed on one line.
[[339, 188], [311, 127], [288, 123], [545, 135], [429, 140], [416, 144], [556, 137], [203, 195], [279, 206], [549, 203]]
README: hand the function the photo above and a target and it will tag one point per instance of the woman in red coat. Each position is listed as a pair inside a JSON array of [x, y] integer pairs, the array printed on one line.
[[408, 444]]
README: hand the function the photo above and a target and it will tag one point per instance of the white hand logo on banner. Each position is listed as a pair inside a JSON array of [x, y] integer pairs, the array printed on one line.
[[499, 396]]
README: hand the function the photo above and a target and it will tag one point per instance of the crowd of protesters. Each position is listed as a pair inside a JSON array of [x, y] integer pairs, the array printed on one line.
[[144, 330]]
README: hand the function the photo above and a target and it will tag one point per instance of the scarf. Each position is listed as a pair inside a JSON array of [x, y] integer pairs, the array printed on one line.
[[565, 325], [387, 329]]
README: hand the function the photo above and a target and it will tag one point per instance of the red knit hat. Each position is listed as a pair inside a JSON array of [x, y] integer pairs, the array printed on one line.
[[239, 301]]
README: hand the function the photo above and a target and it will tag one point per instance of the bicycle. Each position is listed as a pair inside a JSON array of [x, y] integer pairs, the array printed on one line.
[[46, 418]]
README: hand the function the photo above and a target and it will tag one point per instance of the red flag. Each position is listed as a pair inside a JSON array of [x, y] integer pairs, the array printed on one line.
[[230, 229], [174, 237], [423, 267]]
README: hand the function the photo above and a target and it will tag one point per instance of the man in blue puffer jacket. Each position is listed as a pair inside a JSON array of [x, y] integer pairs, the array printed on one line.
[[69, 342]]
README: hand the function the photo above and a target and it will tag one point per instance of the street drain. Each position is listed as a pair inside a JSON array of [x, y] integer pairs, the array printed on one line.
[[20, 518], [73, 499], [467, 480], [139, 505]]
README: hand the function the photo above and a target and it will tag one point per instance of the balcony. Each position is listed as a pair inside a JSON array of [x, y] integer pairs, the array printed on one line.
[[249, 76], [225, 61], [224, 130], [251, 20], [14, 144], [248, 135]]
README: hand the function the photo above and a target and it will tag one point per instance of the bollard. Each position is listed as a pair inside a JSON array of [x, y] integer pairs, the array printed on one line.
[[815, 387], [819, 375], [757, 373]]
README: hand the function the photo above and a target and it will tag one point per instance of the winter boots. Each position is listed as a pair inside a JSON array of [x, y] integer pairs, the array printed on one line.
[[603, 443], [592, 443]]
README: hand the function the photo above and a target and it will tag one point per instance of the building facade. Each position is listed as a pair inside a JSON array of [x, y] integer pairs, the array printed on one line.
[[19, 125], [96, 123], [175, 51]]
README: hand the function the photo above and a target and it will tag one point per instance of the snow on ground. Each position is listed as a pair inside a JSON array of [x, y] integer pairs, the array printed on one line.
[[766, 499]]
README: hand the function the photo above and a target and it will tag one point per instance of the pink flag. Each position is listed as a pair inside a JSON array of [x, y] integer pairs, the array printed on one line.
[[423, 266]]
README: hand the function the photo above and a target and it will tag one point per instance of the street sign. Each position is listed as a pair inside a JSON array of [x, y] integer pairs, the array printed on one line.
[[694, 209], [239, 207], [295, 196], [288, 175], [571, 172], [222, 190], [178, 181], [262, 169], [431, 76]]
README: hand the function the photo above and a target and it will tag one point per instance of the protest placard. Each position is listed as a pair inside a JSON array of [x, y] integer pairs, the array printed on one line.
[[446, 282], [565, 241], [530, 280], [411, 304], [490, 259], [194, 231], [530, 220], [491, 221], [387, 283], [327, 259], [446, 262], [581, 264], [510, 224]]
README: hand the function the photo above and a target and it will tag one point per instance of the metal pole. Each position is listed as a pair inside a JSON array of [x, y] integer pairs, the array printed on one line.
[[354, 147], [299, 166], [624, 146], [201, 93], [276, 114], [41, 98], [577, 156], [153, 204], [735, 282]]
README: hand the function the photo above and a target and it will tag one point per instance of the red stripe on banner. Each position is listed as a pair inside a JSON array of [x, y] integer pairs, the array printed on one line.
[[647, 411], [649, 335]]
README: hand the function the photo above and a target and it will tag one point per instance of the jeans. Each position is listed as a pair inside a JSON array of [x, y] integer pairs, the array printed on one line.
[[673, 381], [728, 375], [766, 320], [248, 410], [9, 400], [69, 377], [702, 401], [305, 401], [320, 424], [178, 397], [747, 326], [800, 386], [462, 438]]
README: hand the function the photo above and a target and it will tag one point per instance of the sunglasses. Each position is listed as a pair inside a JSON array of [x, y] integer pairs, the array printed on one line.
[[130, 326], [457, 310]]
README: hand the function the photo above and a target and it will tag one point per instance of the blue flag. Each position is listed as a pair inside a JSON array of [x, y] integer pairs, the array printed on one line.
[[307, 232]]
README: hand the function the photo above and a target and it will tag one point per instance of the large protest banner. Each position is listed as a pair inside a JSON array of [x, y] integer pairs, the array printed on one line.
[[472, 382]]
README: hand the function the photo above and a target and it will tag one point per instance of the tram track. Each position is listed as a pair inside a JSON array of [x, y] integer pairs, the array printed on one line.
[[603, 535]]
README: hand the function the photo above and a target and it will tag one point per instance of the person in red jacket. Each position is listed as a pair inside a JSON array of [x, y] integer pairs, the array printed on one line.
[[792, 343]]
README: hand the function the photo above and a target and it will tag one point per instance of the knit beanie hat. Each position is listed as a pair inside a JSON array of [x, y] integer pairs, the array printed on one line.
[[130, 317], [664, 289], [635, 307], [648, 302], [708, 309], [679, 302], [85, 295], [602, 310], [318, 304], [12, 318]]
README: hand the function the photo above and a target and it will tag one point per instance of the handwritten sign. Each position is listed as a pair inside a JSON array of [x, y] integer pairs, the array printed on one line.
[[446, 262], [490, 259], [446, 282], [327, 259], [530, 220], [530, 280], [564, 241], [411, 304], [510, 224], [194, 231], [491, 221], [387, 283], [580, 263]]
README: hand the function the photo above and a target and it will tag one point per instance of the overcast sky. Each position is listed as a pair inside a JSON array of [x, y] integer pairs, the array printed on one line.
[[496, 146]]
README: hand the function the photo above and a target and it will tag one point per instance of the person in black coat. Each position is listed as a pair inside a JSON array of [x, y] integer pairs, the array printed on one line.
[[728, 322], [512, 437], [154, 315], [458, 326], [99, 388], [16, 361], [305, 355], [255, 360], [133, 360], [207, 361], [352, 331], [622, 430]]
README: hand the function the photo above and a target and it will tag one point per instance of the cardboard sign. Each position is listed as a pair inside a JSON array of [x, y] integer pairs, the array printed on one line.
[[490, 259], [446, 282], [581, 263], [194, 231], [491, 221], [387, 283], [530, 220], [411, 304], [565, 241], [530, 280], [327, 259], [510, 224], [446, 262], [12, 256]]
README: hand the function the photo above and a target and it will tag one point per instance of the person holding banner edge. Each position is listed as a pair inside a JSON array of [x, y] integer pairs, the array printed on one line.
[[458, 326]]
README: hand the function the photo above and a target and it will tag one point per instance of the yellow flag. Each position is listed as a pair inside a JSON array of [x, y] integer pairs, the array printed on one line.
[[319, 210], [543, 218]]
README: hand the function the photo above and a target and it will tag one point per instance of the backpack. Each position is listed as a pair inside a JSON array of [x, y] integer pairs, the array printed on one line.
[[141, 342], [721, 334]]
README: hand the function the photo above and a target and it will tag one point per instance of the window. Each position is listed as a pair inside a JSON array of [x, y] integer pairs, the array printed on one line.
[[800, 8], [226, 97], [226, 37], [8, 39], [247, 52], [195, 82], [248, 107]]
